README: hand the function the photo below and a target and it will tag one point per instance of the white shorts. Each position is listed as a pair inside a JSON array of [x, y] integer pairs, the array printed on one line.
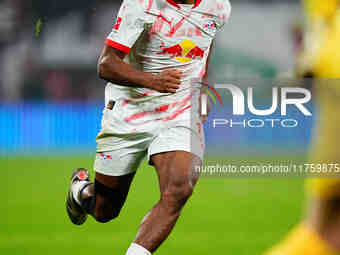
[[132, 130]]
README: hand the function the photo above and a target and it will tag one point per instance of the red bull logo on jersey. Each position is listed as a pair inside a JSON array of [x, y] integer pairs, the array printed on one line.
[[184, 52]]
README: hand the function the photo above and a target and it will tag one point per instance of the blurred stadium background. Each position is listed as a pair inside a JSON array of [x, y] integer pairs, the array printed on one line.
[[50, 110]]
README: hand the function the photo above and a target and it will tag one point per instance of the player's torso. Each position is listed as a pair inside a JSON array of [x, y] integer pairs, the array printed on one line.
[[178, 37]]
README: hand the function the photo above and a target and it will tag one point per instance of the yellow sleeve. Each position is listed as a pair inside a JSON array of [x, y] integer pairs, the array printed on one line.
[[320, 9], [321, 40]]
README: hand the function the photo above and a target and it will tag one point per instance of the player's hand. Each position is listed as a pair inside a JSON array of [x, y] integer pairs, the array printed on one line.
[[167, 81]]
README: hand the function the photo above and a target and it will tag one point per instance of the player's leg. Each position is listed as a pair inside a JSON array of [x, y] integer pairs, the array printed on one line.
[[177, 178], [105, 197], [319, 233]]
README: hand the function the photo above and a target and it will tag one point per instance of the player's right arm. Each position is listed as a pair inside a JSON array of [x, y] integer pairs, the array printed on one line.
[[111, 67]]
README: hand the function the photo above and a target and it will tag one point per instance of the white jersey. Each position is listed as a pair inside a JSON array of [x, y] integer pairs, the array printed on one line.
[[161, 34]]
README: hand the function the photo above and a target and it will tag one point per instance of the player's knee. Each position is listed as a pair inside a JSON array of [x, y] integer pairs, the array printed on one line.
[[107, 216], [103, 219], [176, 195], [106, 211]]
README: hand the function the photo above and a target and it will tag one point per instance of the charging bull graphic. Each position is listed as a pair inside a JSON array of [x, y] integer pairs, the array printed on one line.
[[184, 52]]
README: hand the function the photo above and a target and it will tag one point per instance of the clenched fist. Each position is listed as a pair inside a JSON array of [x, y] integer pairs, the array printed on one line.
[[167, 81]]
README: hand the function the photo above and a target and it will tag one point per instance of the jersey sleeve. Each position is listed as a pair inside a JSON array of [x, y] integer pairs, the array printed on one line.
[[128, 27], [223, 12]]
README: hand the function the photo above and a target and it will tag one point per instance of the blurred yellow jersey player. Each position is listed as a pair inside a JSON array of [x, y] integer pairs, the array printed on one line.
[[319, 232], [321, 57]]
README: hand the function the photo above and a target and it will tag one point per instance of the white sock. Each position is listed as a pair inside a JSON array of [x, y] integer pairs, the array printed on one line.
[[136, 249], [76, 188]]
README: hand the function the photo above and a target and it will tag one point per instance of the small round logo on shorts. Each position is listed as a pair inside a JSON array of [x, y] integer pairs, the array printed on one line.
[[103, 156]]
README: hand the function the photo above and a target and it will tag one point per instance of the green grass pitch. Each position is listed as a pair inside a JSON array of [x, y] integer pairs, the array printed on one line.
[[224, 216]]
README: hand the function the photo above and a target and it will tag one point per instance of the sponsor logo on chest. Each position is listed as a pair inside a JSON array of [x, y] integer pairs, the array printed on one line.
[[183, 52]]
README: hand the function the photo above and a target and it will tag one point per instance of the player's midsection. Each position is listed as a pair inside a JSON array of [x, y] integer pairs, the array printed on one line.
[[162, 107], [188, 71], [150, 115], [191, 68]]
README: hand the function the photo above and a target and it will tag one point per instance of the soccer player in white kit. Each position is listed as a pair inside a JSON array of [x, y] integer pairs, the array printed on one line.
[[153, 60]]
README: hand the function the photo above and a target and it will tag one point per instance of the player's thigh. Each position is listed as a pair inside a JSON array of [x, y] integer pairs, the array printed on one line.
[[176, 153], [176, 169]]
